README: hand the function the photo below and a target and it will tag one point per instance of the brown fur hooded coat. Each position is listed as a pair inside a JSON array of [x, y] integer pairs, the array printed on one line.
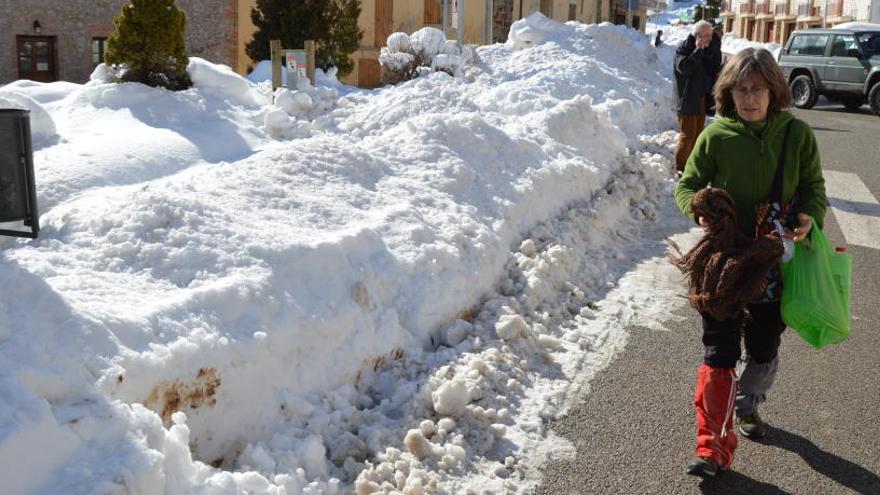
[[726, 269]]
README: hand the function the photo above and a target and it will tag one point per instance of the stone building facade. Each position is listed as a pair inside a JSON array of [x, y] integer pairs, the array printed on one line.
[[770, 21], [52, 40]]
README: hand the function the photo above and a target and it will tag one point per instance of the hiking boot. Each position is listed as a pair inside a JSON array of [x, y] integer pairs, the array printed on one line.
[[751, 426], [703, 466]]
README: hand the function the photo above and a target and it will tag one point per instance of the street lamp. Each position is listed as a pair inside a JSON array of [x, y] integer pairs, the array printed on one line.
[[825, 14], [37, 27]]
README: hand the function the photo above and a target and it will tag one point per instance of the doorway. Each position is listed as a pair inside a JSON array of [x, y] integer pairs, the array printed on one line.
[[384, 18], [36, 58]]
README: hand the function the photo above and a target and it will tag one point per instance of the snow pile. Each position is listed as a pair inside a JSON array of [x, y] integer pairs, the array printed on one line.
[[858, 26], [221, 81], [210, 310], [43, 131], [731, 43], [293, 110]]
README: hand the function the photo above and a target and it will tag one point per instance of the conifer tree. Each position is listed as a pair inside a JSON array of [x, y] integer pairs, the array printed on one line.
[[712, 9], [148, 45], [331, 23]]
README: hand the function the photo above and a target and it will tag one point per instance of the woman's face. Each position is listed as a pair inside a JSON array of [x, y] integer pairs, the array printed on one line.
[[752, 98]]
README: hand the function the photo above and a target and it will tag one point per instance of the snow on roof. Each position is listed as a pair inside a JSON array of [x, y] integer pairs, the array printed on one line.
[[858, 26]]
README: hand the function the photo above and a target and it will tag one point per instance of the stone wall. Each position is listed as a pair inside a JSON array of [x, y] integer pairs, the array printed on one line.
[[211, 31]]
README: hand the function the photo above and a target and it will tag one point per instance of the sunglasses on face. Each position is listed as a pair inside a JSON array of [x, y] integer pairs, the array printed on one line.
[[742, 92]]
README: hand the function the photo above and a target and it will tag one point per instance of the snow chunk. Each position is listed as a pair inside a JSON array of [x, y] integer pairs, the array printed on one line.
[[451, 398], [456, 332], [528, 248], [221, 80], [532, 30], [293, 102], [510, 327], [102, 74], [418, 445], [277, 122]]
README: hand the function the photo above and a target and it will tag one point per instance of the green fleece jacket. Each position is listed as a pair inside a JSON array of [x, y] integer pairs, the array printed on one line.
[[729, 155]]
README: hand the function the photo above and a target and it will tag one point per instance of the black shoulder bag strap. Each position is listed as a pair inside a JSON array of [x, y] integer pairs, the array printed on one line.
[[776, 188]]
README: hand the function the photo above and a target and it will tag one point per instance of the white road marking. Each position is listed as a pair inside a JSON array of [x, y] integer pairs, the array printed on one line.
[[855, 208]]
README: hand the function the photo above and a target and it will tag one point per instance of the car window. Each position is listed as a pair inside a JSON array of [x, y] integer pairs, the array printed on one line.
[[808, 44], [842, 45], [870, 42]]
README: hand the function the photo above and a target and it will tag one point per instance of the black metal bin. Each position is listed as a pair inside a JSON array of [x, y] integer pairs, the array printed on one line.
[[18, 193]]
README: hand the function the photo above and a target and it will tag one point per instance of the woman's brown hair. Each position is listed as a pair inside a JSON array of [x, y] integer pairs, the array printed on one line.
[[739, 68]]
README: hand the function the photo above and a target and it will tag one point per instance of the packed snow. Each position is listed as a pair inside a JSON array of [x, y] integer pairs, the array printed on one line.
[[858, 26], [331, 290]]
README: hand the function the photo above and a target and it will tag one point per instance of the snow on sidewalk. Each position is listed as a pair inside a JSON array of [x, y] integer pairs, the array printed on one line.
[[321, 295]]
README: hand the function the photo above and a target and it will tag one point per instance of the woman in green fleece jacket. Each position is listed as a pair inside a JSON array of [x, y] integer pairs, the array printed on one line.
[[740, 153]]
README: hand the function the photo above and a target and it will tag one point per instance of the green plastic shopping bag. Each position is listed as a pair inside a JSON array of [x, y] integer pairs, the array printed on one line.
[[816, 291]]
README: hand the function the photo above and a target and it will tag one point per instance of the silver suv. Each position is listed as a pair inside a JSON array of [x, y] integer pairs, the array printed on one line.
[[842, 64]]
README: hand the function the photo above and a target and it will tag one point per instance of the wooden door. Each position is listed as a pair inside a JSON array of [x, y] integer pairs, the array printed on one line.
[[771, 32], [36, 58], [433, 12], [384, 21], [369, 73], [786, 33]]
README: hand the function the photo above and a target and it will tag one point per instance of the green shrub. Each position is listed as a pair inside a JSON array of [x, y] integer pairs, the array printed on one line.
[[148, 46], [332, 24]]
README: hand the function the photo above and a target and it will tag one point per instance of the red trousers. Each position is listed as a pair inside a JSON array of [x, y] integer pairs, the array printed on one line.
[[714, 400]]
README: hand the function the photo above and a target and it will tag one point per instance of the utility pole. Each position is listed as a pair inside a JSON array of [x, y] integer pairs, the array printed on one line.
[[459, 24], [489, 22], [628, 13], [825, 14]]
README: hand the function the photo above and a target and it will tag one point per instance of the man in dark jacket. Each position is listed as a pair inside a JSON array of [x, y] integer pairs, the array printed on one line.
[[696, 67], [715, 64]]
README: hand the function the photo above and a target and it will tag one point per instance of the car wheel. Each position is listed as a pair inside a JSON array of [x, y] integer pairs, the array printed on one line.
[[874, 99], [853, 103], [803, 92]]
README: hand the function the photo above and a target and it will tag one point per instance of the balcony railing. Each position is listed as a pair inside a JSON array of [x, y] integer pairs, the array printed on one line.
[[762, 8], [746, 7], [835, 8], [806, 9]]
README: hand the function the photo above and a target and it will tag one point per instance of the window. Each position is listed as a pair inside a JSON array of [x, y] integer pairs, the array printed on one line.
[[809, 44], [99, 48], [842, 46], [870, 42]]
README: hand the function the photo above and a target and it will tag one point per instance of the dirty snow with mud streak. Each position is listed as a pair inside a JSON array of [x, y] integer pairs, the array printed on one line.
[[340, 291]]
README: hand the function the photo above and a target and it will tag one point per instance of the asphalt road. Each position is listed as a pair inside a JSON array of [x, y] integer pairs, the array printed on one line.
[[634, 431]]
